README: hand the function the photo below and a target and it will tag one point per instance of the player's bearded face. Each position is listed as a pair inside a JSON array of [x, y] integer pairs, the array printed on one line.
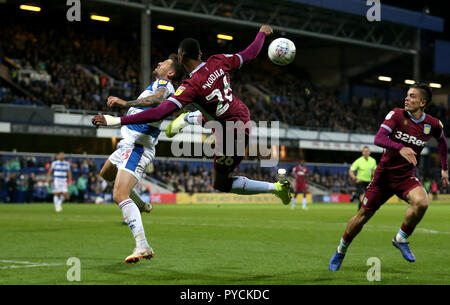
[[157, 71], [163, 68]]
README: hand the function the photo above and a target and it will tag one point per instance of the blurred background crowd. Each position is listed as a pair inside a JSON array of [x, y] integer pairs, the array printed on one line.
[[23, 178], [80, 70]]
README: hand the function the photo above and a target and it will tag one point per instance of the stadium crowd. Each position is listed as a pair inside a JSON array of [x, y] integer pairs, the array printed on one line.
[[28, 173], [182, 178], [83, 80], [83, 67], [23, 178], [74, 82]]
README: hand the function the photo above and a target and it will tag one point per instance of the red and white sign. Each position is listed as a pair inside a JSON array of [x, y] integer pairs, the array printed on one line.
[[163, 198], [340, 198]]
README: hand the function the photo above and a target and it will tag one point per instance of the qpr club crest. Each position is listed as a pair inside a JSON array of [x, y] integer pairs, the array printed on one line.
[[426, 128]]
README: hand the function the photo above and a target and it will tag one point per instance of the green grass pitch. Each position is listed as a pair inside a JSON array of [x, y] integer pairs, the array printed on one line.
[[210, 244]]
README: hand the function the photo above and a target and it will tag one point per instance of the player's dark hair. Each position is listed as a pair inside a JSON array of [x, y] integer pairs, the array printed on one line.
[[178, 69], [190, 48], [425, 91]]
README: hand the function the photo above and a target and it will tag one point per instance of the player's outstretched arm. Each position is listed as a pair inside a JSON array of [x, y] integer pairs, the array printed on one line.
[[149, 101], [255, 47], [147, 116]]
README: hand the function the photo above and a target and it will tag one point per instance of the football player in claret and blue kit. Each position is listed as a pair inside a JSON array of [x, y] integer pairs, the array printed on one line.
[[403, 134], [208, 87]]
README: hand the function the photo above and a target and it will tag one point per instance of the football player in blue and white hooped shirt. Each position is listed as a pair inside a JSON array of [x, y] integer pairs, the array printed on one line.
[[61, 179], [136, 151]]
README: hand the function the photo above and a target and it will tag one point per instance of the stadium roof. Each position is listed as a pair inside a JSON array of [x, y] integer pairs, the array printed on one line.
[[389, 13], [337, 20], [332, 39]]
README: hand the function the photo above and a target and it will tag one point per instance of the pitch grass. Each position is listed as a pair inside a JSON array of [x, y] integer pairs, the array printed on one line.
[[210, 244]]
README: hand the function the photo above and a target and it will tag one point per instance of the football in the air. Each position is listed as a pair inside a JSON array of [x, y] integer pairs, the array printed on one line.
[[281, 51]]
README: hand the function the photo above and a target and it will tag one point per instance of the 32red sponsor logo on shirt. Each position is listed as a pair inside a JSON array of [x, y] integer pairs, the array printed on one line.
[[409, 139]]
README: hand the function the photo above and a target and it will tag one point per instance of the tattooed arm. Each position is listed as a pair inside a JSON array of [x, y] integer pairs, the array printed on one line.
[[149, 101]]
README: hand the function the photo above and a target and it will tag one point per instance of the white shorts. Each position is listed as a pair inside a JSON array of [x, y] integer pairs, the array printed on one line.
[[132, 158], [59, 186]]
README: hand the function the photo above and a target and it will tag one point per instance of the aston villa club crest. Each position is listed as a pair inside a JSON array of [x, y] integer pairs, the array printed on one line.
[[426, 128]]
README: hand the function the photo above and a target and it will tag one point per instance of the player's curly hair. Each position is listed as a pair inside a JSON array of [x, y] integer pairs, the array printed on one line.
[[190, 48]]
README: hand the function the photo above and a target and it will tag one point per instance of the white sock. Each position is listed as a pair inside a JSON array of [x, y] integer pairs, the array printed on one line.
[[137, 200], [293, 202], [192, 118], [343, 246], [401, 236], [304, 202], [245, 186], [133, 216], [61, 199], [56, 201]]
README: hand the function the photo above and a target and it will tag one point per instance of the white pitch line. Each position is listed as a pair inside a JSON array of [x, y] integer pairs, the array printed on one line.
[[369, 227], [26, 264], [15, 262]]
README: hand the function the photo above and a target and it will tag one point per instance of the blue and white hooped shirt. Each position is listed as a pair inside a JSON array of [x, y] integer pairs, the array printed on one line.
[[60, 169], [145, 134]]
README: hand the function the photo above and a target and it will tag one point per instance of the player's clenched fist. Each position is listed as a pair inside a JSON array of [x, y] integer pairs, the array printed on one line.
[[115, 101], [98, 120], [266, 29], [105, 120]]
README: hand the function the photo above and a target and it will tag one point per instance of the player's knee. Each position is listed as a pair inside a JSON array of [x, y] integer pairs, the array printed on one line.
[[421, 204], [119, 196]]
